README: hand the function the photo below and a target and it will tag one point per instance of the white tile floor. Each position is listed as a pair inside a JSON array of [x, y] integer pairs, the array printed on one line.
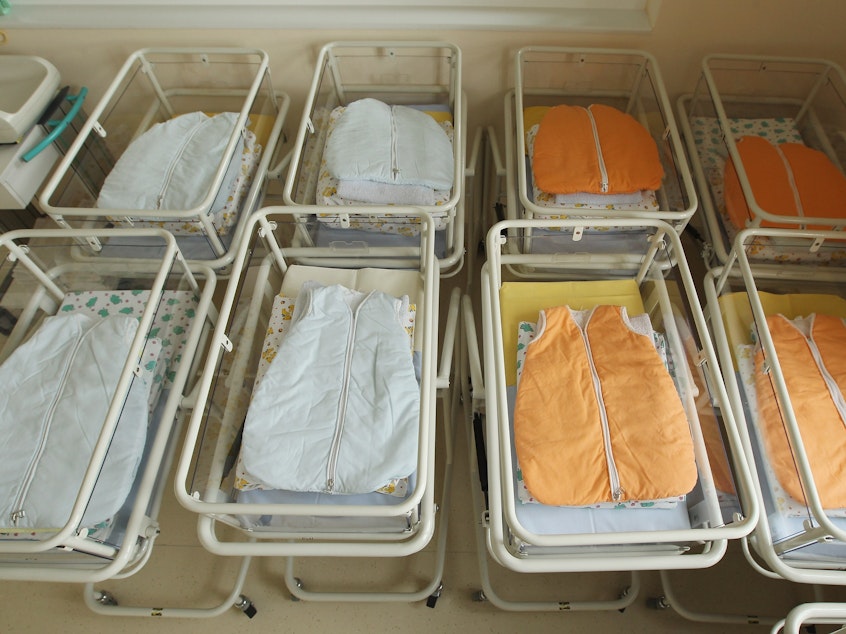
[[182, 573]]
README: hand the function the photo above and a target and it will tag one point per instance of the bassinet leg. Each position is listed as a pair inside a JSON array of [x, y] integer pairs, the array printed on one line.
[[626, 597], [432, 590], [105, 603], [670, 600]]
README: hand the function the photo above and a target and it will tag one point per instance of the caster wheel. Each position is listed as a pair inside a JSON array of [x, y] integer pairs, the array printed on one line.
[[246, 606], [105, 598], [657, 603], [433, 598], [299, 584]]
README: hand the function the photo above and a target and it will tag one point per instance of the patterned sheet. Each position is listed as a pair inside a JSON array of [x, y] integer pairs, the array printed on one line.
[[280, 320], [170, 324], [712, 156]]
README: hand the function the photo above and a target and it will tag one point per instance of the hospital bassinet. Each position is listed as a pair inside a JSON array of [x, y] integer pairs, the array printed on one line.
[[96, 363], [220, 475], [387, 86], [688, 530], [776, 330], [606, 109], [765, 136], [182, 139]]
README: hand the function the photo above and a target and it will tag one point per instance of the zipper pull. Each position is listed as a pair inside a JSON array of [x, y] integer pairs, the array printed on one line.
[[17, 516], [617, 494], [330, 485]]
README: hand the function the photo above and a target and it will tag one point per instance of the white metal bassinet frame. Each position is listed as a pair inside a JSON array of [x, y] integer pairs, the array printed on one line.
[[70, 555], [257, 97], [401, 80], [496, 526], [629, 80], [420, 507], [811, 91], [763, 553]]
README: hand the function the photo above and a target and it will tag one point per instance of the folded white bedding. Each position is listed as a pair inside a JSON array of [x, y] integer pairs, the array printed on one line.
[[55, 390], [389, 144], [386, 193], [172, 165]]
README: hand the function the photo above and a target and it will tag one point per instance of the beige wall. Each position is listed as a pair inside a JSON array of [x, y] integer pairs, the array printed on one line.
[[684, 32]]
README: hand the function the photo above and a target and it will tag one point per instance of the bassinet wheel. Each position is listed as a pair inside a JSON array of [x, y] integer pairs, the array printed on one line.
[[479, 596], [104, 598], [246, 606], [623, 594], [299, 583], [657, 603], [433, 598]]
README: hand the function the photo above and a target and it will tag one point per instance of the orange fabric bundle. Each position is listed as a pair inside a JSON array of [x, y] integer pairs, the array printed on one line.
[[559, 420], [821, 423], [598, 150], [789, 179]]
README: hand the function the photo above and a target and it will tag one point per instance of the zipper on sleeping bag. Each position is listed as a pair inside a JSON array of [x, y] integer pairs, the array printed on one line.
[[175, 161], [603, 172], [394, 164], [335, 448], [791, 179], [613, 475], [830, 383], [18, 512]]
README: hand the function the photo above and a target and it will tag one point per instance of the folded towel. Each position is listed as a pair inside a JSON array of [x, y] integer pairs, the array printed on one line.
[[385, 193]]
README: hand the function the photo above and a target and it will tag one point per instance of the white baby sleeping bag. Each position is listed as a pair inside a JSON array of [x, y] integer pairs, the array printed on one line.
[[373, 141], [55, 390], [337, 410]]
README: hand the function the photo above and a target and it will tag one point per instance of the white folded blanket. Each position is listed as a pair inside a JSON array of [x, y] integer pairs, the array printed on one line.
[[373, 141]]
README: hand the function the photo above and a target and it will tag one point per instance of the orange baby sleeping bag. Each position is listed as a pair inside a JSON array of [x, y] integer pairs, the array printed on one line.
[[814, 369], [597, 417], [788, 179], [598, 149]]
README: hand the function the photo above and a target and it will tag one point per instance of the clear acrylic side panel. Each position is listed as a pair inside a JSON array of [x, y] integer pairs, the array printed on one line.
[[627, 81], [47, 288]]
